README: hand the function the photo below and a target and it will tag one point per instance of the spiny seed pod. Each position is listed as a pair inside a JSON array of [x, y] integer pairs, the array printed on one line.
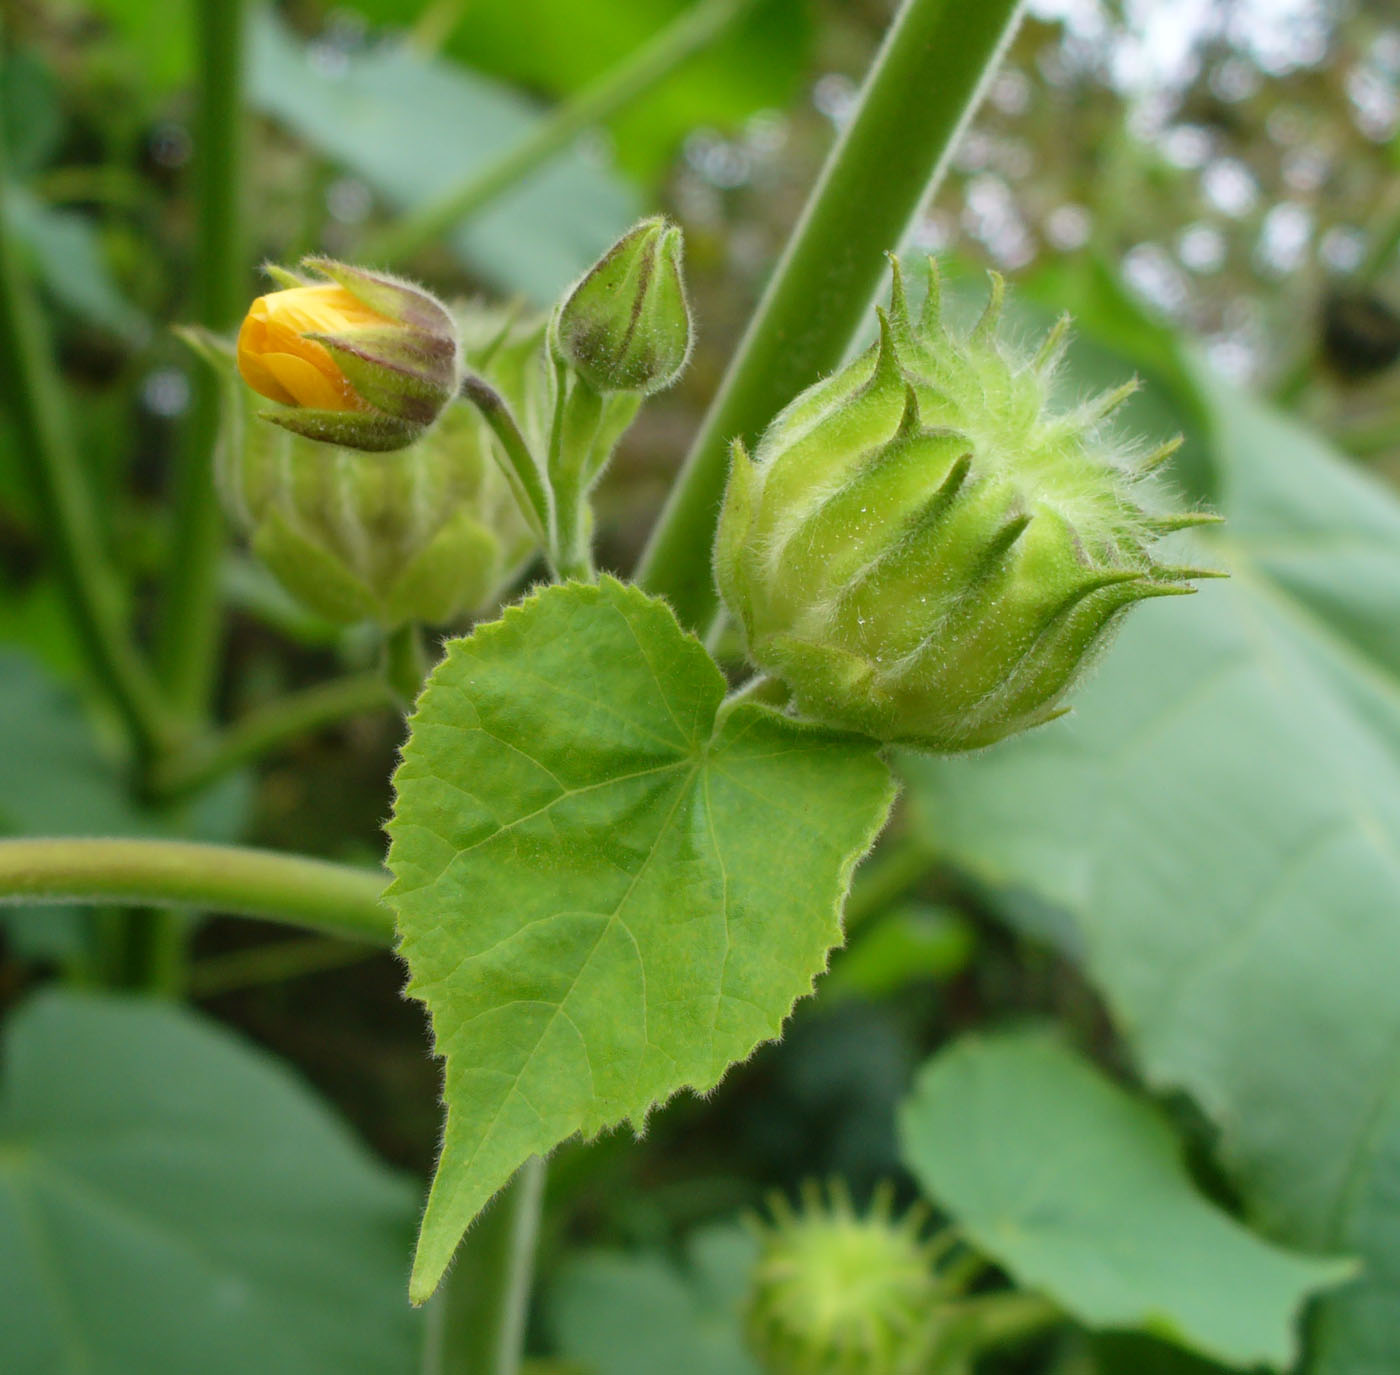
[[626, 325], [361, 360], [835, 1293], [423, 534], [924, 551]]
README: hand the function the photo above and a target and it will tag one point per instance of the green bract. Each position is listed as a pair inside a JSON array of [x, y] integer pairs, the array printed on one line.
[[923, 551], [834, 1292], [426, 533]]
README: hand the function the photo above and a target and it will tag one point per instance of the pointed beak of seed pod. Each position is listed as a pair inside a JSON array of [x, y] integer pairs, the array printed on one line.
[[361, 360]]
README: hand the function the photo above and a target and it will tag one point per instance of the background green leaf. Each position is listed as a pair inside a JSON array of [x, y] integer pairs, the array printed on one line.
[[31, 111], [413, 127], [172, 1201], [915, 942], [605, 893], [1221, 820], [1079, 1191], [158, 38], [65, 254], [616, 1313], [757, 66]]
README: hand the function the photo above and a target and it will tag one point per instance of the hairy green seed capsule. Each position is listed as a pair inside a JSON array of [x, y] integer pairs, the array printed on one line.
[[834, 1292], [425, 533], [625, 327], [924, 551]]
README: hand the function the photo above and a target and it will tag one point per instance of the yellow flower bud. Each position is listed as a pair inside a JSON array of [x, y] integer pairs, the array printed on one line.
[[279, 362], [362, 361]]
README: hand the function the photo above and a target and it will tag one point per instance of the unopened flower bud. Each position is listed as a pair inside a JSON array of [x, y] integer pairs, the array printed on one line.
[[361, 360], [626, 326], [924, 551], [427, 533], [835, 1291]]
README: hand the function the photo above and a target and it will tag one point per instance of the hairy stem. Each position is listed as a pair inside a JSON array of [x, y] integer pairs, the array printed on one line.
[[45, 451], [335, 898], [264, 729], [520, 468], [695, 29], [923, 87], [189, 629], [578, 416]]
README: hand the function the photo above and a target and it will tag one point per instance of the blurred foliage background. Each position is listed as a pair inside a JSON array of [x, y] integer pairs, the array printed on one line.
[[1222, 172]]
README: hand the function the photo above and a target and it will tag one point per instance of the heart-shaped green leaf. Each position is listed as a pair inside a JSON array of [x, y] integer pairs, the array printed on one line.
[[609, 889]]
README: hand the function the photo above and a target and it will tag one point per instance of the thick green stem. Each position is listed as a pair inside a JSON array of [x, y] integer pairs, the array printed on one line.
[[37, 406], [923, 87], [335, 898], [691, 32], [189, 629], [268, 727], [476, 1320], [154, 951]]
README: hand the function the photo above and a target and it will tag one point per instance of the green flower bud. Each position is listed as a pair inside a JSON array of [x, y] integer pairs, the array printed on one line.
[[835, 1292], [625, 327], [923, 551], [426, 533], [362, 361]]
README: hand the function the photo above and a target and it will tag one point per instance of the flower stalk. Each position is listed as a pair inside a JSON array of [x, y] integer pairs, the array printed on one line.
[[188, 641]]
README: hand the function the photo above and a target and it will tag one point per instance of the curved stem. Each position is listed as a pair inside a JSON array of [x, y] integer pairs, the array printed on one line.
[[53, 471], [520, 468], [189, 627], [637, 73], [269, 726], [923, 87], [336, 898]]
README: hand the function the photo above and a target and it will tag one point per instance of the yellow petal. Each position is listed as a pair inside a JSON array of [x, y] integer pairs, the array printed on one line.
[[309, 385], [279, 363]]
